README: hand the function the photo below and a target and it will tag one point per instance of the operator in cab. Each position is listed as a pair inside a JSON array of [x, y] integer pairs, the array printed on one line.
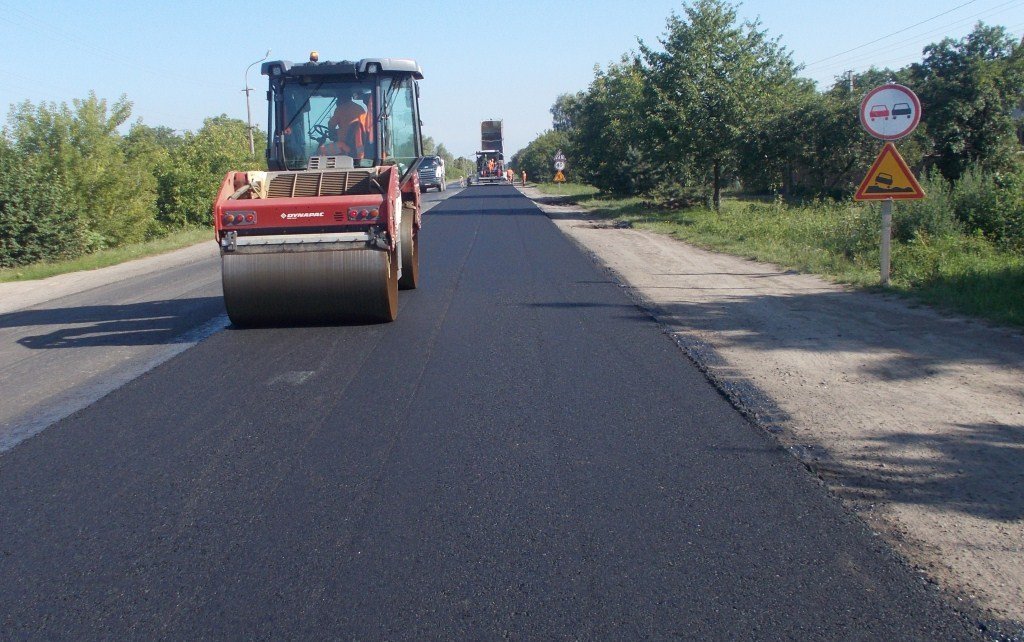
[[350, 127]]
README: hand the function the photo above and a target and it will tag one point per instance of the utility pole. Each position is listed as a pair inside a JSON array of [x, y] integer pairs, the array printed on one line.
[[248, 110], [849, 77]]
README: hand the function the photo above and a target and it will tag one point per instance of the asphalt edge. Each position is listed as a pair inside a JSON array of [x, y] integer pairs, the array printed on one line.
[[763, 415]]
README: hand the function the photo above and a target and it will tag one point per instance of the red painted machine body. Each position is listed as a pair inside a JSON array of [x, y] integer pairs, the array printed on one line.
[[369, 203]]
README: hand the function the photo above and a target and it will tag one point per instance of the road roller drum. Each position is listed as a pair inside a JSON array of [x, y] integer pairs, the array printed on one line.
[[358, 285]]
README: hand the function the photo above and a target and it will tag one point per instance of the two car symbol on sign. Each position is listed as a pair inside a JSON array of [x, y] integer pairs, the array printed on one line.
[[882, 111]]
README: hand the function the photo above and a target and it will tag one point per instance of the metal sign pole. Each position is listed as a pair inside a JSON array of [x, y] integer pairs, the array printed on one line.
[[886, 239], [889, 112]]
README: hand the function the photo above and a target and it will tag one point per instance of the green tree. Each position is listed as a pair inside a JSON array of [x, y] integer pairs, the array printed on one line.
[[774, 156], [713, 83], [536, 158], [38, 221], [816, 147], [462, 166], [80, 145], [969, 89], [869, 79], [143, 141], [609, 140], [562, 111], [429, 146], [188, 182]]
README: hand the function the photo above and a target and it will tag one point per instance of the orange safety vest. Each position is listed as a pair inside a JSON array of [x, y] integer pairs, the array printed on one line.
[[367, 122], [351, 121], [353, 147]]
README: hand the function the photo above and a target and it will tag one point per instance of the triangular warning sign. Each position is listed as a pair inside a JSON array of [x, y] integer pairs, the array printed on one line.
[[559, 177], [888, 178]]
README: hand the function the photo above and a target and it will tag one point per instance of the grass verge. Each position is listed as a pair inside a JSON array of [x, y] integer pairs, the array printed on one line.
[[105, 258], [966, 274]]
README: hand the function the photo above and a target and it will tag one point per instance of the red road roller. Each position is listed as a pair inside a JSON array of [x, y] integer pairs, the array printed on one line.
[[329, 233]]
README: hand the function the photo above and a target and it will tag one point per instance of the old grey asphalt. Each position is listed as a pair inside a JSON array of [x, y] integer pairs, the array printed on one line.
[[522, 454]]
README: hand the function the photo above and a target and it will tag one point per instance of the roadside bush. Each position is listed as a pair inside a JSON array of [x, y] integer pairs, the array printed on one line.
[[992, 204], [188, 182], [80, 144], [37, 220], [933, 216], [849, 231]]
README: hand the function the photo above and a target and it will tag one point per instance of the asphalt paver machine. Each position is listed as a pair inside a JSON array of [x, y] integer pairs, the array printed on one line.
[[330, 232], [490, 160]]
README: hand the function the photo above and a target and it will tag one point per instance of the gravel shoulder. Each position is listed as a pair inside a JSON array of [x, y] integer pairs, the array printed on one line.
[[914, 418]]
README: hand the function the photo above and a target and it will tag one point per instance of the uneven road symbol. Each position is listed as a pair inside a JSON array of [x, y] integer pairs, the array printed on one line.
[[889, 177]]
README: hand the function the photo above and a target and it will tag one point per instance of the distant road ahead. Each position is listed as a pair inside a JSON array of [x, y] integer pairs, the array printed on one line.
[[523, 453]]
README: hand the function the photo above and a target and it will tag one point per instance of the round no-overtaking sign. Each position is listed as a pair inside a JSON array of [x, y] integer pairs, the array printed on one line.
[[890, 112]]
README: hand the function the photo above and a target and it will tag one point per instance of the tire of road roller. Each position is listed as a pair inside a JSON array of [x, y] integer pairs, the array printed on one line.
[[296, 288], [410, 254]]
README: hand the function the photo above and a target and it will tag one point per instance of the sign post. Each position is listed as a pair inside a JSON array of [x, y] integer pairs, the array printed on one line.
[[559, 166], [885, 252], [889, 112]]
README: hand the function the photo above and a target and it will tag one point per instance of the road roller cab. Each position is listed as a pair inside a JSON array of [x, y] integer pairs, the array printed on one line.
[[330, 232]]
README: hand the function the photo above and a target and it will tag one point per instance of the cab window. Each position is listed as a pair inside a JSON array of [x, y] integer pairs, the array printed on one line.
[[399, 122]]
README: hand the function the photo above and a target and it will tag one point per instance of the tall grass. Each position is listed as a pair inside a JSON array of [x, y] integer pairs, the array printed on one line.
[[932, 259], [573, 190]]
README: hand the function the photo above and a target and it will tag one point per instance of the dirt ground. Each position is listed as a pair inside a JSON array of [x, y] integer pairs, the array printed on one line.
[[914, 418]]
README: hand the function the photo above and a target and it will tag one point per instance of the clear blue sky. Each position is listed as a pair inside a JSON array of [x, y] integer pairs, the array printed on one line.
[[180, 62]]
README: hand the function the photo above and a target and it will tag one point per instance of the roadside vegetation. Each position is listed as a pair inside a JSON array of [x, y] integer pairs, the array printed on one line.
[[76, 193], [71, 185], [713, 136], [455, 168], [960, 272]]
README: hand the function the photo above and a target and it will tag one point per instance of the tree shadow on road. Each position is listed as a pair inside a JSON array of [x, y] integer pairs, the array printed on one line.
[[148, 323], [915, 342], [972, 468]]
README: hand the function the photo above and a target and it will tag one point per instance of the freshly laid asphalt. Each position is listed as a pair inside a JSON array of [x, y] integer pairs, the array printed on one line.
[[523, 454], [63, 354]]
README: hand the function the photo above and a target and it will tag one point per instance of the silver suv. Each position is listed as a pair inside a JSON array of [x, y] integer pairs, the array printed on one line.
[[431, 173]]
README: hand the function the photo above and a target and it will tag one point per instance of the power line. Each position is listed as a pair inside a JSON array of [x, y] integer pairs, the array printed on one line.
[[905, 48], [920, 38], [893, 33], [1014, 32], [909, 49]]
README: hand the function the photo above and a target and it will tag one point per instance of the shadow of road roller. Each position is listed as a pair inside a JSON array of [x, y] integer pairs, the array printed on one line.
[[310, 287]]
